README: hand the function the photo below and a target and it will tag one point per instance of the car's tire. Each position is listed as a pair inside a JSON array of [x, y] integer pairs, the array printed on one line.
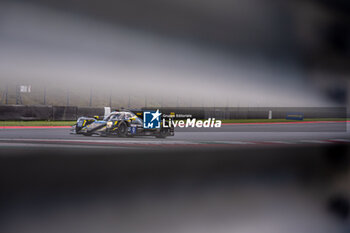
[[122, 130], [163, 133], [87, 134]]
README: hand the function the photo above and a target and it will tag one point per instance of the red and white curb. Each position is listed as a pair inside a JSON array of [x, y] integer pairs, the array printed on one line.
[[167, 143]]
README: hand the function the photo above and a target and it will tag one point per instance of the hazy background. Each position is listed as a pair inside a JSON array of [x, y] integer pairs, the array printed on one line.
[[183, 53]]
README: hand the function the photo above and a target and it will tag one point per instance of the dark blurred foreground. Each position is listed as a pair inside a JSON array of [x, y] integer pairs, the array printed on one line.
[[298, 189]]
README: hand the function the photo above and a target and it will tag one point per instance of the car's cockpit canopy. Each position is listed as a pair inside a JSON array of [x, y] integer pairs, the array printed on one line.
[[113, 116]]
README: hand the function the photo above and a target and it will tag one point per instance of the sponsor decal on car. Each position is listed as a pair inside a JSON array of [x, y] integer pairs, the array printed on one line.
[[132, 130]]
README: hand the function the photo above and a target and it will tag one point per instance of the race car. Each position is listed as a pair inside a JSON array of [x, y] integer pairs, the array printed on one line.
[[119, 123]]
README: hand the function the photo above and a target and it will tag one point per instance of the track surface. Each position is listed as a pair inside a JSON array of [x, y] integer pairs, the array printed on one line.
[[227, 135]]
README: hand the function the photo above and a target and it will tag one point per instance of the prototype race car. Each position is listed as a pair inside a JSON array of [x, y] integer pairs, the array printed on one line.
[[122, 124]]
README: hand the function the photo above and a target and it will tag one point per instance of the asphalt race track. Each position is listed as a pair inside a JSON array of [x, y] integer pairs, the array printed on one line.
[[228, 136], [53, 181]]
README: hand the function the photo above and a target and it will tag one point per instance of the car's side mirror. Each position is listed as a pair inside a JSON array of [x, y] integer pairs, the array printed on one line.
[[96, 117]]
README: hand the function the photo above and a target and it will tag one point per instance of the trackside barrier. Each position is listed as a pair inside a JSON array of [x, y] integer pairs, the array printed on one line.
[[23, 113], [90, 111], [41, 112], [60, 113]]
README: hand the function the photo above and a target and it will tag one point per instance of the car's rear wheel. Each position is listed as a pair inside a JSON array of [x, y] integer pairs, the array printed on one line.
[[163, 133], [122, 130]]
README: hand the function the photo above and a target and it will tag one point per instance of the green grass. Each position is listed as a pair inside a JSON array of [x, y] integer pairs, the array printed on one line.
[[70, 123], [37, 123]]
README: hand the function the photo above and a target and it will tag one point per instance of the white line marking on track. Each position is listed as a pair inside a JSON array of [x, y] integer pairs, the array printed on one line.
[[315, 141], [340, 140], [131, 142], [280, 142], [231, 142], [41, 145], [102, 141]]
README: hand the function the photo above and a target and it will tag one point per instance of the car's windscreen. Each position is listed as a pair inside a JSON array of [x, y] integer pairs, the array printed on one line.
[[117, 116]]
